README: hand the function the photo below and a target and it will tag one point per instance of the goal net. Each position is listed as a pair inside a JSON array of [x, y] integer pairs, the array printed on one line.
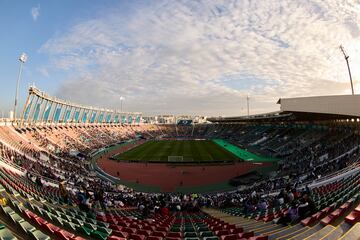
[[175, 159]]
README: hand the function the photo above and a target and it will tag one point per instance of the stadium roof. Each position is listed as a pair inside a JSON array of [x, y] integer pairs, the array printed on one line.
[[315, 108]]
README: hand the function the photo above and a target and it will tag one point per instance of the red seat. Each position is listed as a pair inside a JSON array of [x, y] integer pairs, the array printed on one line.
[[327, 210], [268, 218], [162, 229], [246, 235], [345, 206], [112, 221], [259, 238], [229, 237], [216, 228], [153, 238], [316, 216], [41, 221], [338, 212], [328, 219], [101, 218], [174, 235], [135, 226], [353, 217], [308, 221], [319, 215], [115, 227], [78, 238], [237, 230], [150, 228], [115, 238], [64, 235], [230, 226], [333, 216], [172, 238], [120, 234], [222, 232], [158, 234], [128, 230], [31, 215], [51, 228], [123, 224], [136, 237], [357, 209], [143, 232]]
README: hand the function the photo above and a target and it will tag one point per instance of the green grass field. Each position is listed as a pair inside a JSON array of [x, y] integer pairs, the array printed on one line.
[[191, 150]]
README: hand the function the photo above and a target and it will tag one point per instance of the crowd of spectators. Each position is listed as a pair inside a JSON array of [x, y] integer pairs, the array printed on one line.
[[319, 152]]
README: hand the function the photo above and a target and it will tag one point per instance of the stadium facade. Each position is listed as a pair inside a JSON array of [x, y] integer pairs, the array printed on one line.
[[42, 108]]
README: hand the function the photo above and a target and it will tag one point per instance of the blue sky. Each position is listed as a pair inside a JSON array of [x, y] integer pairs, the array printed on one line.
[[181, 57], [22, 31]]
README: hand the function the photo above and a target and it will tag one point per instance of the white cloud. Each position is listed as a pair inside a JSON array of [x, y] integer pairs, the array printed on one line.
[[43, 71], [206, 56], [35, 12]]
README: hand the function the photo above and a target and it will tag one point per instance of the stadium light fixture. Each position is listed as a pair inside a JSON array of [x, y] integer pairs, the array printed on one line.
[[23, 58]]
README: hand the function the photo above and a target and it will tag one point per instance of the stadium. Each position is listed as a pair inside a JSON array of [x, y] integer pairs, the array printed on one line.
[[74, 170]]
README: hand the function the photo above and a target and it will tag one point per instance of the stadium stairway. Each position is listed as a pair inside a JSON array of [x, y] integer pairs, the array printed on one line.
[[267, 230], [337, 216]]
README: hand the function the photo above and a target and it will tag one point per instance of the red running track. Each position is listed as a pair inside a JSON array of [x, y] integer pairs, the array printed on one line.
[[168, 177]]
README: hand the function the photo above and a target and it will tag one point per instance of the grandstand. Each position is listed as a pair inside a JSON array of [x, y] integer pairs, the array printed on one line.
[[58, 179]]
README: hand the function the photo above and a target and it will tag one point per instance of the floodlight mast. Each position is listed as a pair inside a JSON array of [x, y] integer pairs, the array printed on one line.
[[348, 66], [22, 59], [248, 108]]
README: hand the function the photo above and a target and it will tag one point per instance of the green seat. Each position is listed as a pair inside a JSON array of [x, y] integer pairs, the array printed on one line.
[[211, 238], [5, 234], [203, 229], [104, 230], [27, 227], [103, 224], [58, 220], [189, 229], [2, 226], [16, 218], [91, 215], [90, 226], [38, 235], [175, 229], [90, 220], [84, 230], [77, 221], [70, 225], [99, 235], [190, 234], [206, 234], [7, 210]]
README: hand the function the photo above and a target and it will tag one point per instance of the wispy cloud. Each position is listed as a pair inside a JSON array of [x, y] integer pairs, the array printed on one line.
[[206, 56], [35, 12], [43, 71]]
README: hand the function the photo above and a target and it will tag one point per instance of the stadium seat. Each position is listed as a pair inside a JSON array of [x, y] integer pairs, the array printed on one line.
[[353, 217], [38, 235], [115, 238], [229, 237]]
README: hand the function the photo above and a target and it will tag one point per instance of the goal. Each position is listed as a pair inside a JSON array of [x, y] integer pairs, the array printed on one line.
[[175, 158]]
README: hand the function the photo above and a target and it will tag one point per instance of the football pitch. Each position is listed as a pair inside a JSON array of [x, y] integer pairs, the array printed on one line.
[[187, 150]]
